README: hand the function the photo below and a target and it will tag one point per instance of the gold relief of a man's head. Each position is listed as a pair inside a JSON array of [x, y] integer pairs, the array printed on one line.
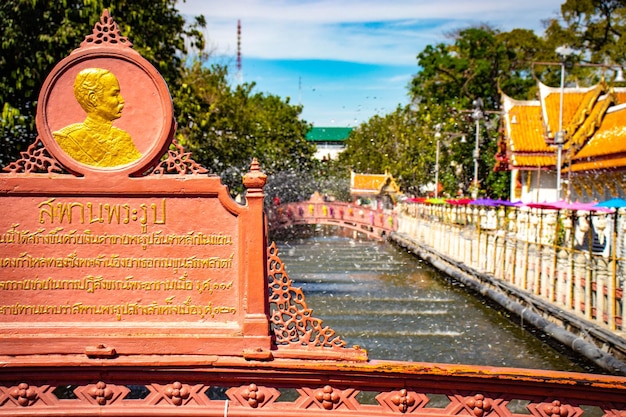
[[95, 141], [98, 93]]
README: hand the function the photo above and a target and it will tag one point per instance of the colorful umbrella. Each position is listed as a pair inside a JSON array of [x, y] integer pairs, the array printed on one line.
[[416, 199], [435, 201], [459, 201], [615, 203], [564, 205], [485, 202], [545, 205], [510, 203]]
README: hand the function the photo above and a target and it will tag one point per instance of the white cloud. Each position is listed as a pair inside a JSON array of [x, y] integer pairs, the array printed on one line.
[[371, 31], [388, 34]]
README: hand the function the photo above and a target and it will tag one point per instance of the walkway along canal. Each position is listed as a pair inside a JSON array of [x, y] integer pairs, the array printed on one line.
[[571, 291]]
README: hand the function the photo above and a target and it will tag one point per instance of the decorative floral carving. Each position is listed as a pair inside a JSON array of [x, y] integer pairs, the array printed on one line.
[[178, 162], [24, 394], [106, 32], [101, 393], [403, 400], [177, 393], [327, 397], [35, 160], [479, 405], [556, 409], [253, 396], [290, 318]]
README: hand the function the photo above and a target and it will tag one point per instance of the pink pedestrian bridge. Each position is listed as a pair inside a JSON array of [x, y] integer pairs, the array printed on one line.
[[374, 223]]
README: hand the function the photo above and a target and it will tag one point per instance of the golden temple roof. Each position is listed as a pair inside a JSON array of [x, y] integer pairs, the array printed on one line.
[[527, 146], [595, 112], [372, 184], [524, 125], [533, 161], [594, 126], [607, 147], [573, 99]]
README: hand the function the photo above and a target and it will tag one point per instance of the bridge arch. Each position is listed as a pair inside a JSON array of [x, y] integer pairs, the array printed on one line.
[[377, 224]]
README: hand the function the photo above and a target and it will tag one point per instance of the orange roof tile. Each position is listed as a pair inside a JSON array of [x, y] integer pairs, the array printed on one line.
[[610, 138], [368, 182], [585, 108], [573, 98], [525, 133], [371, 183], [588, 128], [590, 165], [524, 126], [533, 161], [595, 131]]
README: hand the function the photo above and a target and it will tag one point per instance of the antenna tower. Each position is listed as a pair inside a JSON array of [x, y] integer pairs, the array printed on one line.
[[239, 73]]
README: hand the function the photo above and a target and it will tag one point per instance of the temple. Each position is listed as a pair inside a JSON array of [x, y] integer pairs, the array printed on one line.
[[593, 149]]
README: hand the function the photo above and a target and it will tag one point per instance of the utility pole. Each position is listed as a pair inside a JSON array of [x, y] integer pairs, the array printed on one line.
[[477, 114]]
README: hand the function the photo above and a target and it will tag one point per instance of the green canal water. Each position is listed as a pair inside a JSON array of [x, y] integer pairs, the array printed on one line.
[[378, 296]]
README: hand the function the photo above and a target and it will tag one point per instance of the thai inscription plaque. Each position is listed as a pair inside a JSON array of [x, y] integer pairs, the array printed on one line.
[[66, 259], [108, 246]]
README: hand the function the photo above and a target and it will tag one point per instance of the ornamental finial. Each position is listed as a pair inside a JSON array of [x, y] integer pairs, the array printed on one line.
[[254, 178], [106, 32]]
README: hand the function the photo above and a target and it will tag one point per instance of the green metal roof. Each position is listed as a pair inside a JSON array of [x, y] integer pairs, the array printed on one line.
[[328, 134]]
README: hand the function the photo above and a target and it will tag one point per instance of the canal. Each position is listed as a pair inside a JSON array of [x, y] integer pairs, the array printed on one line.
[[386, 300]]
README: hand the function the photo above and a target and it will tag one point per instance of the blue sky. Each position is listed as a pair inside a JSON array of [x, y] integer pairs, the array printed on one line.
[[345, 60]]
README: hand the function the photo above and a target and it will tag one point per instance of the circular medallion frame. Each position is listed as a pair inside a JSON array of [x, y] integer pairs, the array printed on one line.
[[148, 114]]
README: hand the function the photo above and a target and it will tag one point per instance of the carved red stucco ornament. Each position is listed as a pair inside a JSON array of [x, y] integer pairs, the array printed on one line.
[[114, 242], [79, 130]]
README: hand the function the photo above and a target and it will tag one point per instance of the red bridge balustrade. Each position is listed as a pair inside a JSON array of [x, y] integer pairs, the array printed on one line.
[[376, 224], [132, 284], [230, 386]]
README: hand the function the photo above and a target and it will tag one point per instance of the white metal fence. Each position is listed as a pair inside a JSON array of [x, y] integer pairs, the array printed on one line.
[[574, 259]]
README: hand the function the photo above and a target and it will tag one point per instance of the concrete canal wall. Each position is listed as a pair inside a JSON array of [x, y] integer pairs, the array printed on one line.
[[603, 348]]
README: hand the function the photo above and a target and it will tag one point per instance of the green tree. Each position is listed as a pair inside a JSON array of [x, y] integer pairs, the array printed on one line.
[[397, 143], [595, 28], [225, 127], [462, 71], [523, 47], [36, 34], [478, 65]]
